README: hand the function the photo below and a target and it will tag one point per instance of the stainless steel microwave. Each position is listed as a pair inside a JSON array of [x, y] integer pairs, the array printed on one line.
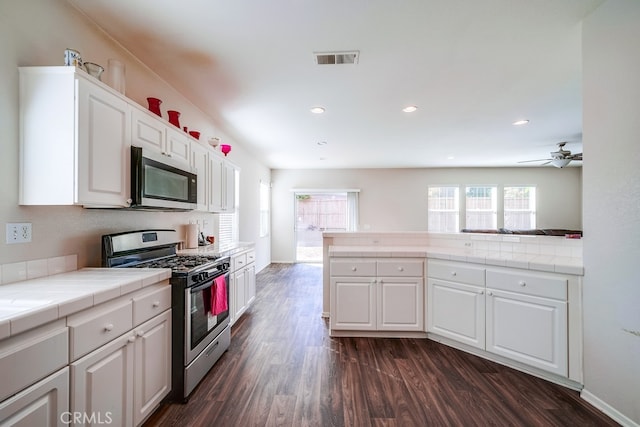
[[161, 183]]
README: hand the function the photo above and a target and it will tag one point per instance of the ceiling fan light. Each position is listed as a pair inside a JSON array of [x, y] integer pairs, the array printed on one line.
[[560, 163]]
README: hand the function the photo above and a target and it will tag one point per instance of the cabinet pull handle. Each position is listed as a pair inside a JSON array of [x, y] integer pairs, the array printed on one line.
[[156, 304], [108, 327], [522, 283], [453, 273]]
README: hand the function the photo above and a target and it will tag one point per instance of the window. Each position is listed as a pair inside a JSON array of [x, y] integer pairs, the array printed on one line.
[[264, 209], [443, 209], [481, 206], [520, 208]]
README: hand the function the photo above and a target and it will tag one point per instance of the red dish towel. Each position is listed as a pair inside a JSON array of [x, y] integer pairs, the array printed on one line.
[[219, 300]]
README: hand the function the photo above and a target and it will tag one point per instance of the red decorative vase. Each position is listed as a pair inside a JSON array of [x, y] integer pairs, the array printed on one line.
[[154, 105], [174, 118]]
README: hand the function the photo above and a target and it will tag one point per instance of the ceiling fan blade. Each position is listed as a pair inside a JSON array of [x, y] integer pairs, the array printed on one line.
[[577, 156], [546, 163], [538, 160]]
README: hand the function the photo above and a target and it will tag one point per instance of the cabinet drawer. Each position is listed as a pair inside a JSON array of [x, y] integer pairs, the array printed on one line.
[[251, 257], [97, 326], [401, 267], [31, 356], [239, 261], [528, 283], [346, 267], [151, 304], [455, 272]]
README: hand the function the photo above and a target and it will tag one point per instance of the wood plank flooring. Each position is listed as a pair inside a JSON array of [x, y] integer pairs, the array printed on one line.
[[283, 369]]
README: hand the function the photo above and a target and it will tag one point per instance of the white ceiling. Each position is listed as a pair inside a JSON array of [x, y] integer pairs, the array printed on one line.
[[471, 66]]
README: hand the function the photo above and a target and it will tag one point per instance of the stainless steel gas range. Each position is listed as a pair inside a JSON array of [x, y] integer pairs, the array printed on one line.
[[199, 300]]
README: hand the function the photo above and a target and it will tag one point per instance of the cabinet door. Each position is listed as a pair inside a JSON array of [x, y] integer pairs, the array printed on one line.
[[216, 177], [250, 284], [400, 304], [103, 142], [200, 162], [147, 131], [43, 404], [456, 311], [102, 382], [353, 303], [152, 380], [528, 329], [178, 144], [240, 297]]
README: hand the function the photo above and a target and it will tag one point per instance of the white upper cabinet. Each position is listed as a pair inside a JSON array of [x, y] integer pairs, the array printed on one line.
[[150, 131], [216, 180], [75, 135]]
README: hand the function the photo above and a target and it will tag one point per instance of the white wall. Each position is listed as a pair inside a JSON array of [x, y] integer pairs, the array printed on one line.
[[396, 199], [36, 32], [611, 142]]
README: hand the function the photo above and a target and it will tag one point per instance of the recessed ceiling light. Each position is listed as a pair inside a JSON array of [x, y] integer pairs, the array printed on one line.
[[410, 109], [520, 122], [317, 110], [450, 157]]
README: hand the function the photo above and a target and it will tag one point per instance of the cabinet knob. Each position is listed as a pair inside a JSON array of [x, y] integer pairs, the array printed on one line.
[[453, 273], [129, 201], [354, 268], [108, 327], [489, 293], [156, 304], [132, 339], [140, 333], [481, 292], [400, 268], [522, 283]]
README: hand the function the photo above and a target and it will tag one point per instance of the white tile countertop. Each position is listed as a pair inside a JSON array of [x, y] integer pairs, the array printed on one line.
[[31, 303], [549, 263]]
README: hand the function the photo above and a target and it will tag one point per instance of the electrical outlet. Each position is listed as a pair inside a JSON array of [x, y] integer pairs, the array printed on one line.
[[18, 232]]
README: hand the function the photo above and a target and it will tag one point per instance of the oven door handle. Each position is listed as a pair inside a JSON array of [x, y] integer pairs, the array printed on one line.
[[208, 283]]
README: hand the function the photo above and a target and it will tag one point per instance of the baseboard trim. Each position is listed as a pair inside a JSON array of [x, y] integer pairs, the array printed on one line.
[[607, 409]]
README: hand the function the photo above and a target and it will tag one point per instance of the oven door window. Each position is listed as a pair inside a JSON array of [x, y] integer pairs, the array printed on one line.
[[203, 320]]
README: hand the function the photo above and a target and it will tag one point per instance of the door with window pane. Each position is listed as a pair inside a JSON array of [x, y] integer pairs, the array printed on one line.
[[316, 213]]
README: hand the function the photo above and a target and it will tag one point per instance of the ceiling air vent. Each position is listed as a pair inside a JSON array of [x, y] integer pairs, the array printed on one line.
[[331, 58]]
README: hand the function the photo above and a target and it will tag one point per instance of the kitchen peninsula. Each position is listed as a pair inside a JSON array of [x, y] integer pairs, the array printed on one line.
[[516, 300]]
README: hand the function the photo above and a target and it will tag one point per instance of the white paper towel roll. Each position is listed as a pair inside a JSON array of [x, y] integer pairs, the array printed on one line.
[[192, 236]]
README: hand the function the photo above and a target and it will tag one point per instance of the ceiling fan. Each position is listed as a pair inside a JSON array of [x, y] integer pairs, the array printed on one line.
[[560, 158]]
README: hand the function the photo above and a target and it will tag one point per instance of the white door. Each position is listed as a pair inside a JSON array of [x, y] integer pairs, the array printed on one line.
[[147, 131], [178, 145], [250, 281], [456, 311], [199, 161], [240, 297], [528, 329], [353, 303], [152, 380], [104, 138], [43, 404], [216, 167], [400, 304], [102, 382]]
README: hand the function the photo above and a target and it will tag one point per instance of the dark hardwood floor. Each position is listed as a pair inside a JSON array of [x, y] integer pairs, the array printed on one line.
[[283, 369]]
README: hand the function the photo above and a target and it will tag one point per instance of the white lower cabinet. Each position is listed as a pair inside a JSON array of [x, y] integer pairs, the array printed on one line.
[[515, 314], [44, 404], [243, 283], [377, 294], [125, 379]]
